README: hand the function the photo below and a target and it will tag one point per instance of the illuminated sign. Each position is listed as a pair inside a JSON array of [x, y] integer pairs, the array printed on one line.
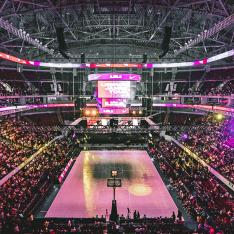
[[114, 89], [118, 65], [115, 102], [114, 76], [114, 111]]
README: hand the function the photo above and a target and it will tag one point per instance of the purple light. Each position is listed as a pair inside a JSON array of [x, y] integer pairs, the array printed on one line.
[[230, 142], [229, 133], [200, 62], [148, 65], [185, 136], [36, 63]]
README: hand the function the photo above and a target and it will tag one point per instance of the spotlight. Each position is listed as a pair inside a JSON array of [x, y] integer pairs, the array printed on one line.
[[134, 112], [114, 173], [87, 112], [104, 122], [90, 112], [219, 116], [94, 112], [135, 122]]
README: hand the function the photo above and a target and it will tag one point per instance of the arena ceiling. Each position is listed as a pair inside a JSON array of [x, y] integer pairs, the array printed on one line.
[[114, 31]]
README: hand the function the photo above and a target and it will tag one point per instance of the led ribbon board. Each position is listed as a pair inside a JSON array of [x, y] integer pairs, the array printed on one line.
[[198, 62], [114, 76]]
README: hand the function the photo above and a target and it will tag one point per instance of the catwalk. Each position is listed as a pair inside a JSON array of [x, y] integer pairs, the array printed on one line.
[[85, 193]]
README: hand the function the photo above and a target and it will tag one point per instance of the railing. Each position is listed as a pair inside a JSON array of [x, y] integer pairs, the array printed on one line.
[[139, 96], [113, 146], [65, 171]]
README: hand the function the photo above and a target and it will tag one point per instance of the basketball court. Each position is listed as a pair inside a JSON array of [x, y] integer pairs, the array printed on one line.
[[85, 193]]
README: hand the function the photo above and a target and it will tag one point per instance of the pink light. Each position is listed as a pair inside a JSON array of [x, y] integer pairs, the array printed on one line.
[[114, 102], [114, 76], [200, 62], [148, 65], [219, 108], [114, 111], [62, 175], [36, 63], [207, 107], [117, 65]]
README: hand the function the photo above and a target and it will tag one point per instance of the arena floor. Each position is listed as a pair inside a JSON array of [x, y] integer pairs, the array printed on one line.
[[85, 193]]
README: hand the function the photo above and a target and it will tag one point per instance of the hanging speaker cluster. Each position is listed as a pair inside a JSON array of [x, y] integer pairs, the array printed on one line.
[[166, 41], [82, 58], [62, 47], [147, 103], [144, 60], [80, 102]]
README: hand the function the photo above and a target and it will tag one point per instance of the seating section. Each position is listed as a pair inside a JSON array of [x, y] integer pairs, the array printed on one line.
[[11, 156], [24, 133], [228, 88], [210, 88], [21, 193], [19, 140], [100, 226], [207, 201], [201, 194], [41, 83], [208, 140]]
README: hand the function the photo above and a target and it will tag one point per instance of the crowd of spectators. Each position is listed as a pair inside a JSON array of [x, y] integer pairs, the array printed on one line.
[[11, 156], [225, 89], [25, 133], [20, 194], [15, 89], [19, 140], [203, 197], [207, 140], [149, 225], [160, 225], [228, 88], [57, 226], [217, 88]]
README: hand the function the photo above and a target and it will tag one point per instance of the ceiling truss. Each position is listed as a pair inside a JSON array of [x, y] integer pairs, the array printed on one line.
[[124, 30]]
